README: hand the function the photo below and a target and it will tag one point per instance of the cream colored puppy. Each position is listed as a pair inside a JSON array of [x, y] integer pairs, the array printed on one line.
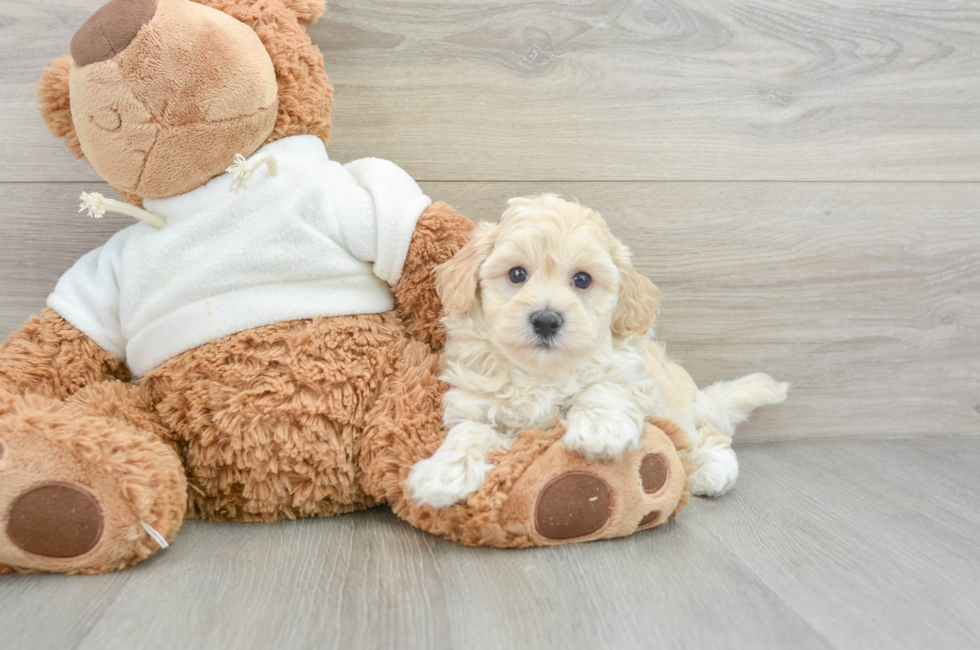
[[546, 318]]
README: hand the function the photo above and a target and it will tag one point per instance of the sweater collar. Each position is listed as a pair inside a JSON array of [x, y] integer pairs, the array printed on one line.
[[296, 151]]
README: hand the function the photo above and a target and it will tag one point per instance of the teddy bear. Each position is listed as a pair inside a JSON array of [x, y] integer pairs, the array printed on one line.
[[264, 343]]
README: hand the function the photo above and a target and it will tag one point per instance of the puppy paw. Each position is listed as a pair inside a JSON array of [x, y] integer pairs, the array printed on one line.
[[441, 484], [601, 434], [713, 475]]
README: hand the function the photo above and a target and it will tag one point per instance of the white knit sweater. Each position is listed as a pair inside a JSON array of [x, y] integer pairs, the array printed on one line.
[[319, 239]]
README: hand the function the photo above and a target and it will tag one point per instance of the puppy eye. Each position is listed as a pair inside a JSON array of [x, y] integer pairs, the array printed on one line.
[[517, 275], [582, 280]]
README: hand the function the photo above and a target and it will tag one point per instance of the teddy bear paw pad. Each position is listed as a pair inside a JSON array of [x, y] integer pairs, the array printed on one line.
[[572, 505], [55, 519]]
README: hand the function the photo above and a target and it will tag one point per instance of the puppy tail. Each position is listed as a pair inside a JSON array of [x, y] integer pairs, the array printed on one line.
[[729, 403]]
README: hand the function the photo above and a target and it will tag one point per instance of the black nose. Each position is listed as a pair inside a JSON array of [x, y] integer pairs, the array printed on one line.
[[546, 323]]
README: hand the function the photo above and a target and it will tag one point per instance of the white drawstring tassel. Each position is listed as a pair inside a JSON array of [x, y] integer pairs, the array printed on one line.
[[157, 537], [97, 205], [243, 169]]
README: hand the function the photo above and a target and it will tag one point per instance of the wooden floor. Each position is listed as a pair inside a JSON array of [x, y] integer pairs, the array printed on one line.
[[831, 544], [801, 178]]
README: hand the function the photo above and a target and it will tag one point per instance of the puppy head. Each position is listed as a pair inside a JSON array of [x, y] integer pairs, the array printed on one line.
[[551, 283]]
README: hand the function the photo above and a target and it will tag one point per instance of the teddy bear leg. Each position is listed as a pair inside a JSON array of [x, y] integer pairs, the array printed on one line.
[[48, 356], [562, 498], [87, 485]]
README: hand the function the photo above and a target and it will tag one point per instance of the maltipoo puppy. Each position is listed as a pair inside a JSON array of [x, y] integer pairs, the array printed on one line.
[[546, 319]]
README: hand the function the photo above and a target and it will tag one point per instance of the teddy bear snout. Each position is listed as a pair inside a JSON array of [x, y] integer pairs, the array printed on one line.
[[181, 88], [110, 30]]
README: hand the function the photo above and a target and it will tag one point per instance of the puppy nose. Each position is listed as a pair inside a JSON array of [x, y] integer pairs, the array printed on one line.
[[110, 30], [546, 323]]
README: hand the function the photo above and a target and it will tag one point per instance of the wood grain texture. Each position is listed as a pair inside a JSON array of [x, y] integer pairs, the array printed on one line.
[[605, 90], [852, 530], [866, 296], [842, 544]]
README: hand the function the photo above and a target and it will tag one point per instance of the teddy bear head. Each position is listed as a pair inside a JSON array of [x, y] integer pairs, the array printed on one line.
[[160, 95]]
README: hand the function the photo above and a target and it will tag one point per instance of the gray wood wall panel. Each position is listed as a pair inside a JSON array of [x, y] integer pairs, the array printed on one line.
[[606, 90], [865, 295]]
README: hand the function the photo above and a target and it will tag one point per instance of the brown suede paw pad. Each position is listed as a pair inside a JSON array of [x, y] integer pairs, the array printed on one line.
[[574, 504], [649, 518], [55, 520], [653, 473]]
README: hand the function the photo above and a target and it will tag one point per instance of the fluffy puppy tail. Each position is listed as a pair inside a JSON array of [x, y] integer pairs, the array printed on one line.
[[726, 404]]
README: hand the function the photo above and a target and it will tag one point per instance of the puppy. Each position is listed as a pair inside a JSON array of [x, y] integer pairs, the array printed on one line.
[[546, 318]]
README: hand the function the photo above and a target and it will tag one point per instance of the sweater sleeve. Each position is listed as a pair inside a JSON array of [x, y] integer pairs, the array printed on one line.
[[398, 204], [87, 296]]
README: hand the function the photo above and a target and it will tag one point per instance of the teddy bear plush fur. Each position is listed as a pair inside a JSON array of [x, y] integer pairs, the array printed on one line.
[[300, 418]]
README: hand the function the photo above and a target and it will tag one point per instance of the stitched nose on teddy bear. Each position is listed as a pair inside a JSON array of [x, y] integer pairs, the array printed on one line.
[[110, 30]]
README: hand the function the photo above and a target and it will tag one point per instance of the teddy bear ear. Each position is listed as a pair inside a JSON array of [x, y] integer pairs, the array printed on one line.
[[52, 92], [308, 11]]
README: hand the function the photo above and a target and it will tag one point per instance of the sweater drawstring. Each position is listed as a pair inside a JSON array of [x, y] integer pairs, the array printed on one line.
[[241, 172], [155, 536], [97, 205], [243, 169]]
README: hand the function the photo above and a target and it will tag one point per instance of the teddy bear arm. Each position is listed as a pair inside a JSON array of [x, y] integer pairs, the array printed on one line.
[[50, 357], [439, 234]]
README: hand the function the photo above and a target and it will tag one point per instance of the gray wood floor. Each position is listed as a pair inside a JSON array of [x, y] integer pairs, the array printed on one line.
[[829, 544]]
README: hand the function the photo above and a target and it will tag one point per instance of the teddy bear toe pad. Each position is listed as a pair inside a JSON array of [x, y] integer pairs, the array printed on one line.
[[654, 473]]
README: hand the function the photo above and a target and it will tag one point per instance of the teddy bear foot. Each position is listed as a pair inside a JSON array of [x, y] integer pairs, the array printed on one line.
[[71, 496], [562, 498]]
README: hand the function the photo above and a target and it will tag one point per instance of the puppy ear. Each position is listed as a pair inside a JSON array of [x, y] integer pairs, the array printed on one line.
[[639, 301], [458, 279], [52, 92]]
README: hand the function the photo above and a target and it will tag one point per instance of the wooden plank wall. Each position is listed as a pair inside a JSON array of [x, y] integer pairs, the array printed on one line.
[[801, 178]]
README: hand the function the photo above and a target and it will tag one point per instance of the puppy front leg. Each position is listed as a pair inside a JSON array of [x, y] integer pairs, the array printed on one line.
[[604, 422], [458, 467]]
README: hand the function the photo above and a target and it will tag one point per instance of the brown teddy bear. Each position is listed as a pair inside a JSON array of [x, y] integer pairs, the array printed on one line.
[[264, 345]]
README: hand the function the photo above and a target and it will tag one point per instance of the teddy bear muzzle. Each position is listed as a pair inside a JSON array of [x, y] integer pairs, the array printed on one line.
[[155, 121]]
